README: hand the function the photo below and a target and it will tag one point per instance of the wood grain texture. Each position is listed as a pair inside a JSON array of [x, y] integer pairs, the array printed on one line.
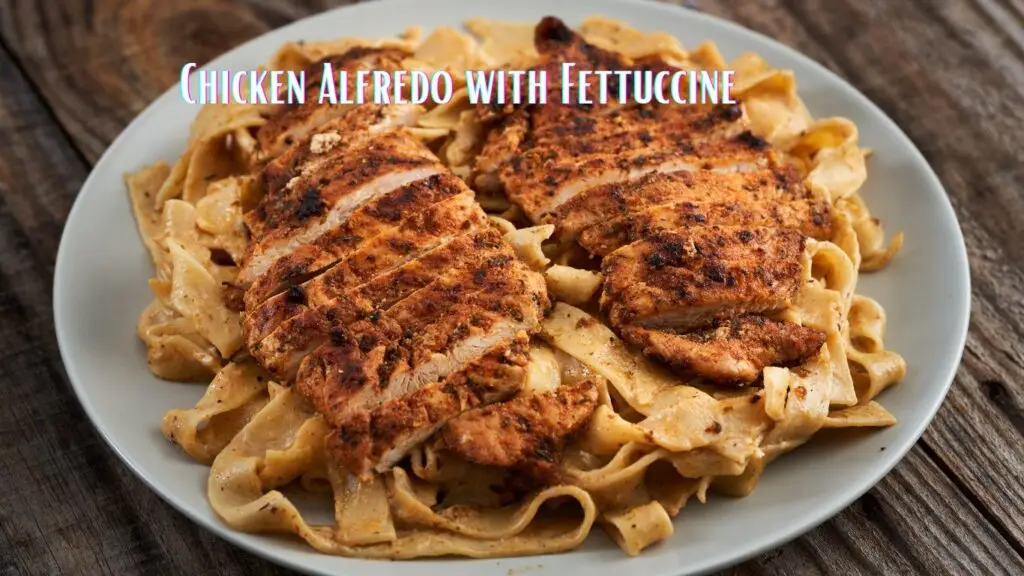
[[949, 72]]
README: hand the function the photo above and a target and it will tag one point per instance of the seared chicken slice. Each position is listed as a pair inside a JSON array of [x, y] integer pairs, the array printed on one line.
[[633, 127], [384, 239], [811, 217], [419, 215], [376, 439], [330, 142], [596, 205], [430, 332], [686, 278], [293, 123], [730, 351], [379, 293], [542, 179], [318, 204], [529, 427]]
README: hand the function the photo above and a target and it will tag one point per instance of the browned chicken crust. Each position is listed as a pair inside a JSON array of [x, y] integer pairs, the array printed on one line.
[[540, 180], [730, 351], [530, 427], [431, 321], [686, 278], [319, 203], [810, 217], [440, 221], [378, 438], [622, 199], [346, 257], [375, 282]]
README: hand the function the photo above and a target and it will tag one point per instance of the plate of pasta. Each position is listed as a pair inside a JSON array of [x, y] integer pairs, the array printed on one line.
[[521, 335]]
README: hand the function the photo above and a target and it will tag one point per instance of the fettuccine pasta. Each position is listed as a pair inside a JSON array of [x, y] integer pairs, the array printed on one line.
[[655, 441]]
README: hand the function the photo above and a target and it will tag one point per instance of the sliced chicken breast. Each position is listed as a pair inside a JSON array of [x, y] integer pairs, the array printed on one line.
[[686, 278], [316, 206], [382, 291], [622, 199], [528, 428], [382, 242], [428, 321], [379, 438], [541, 180], [812, 218], [730, 351]]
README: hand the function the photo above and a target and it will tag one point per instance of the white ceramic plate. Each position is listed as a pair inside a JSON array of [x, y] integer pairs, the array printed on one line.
[[102, 268]]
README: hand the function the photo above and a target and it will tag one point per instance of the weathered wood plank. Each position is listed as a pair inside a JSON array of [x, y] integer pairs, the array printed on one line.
[[68, 505]]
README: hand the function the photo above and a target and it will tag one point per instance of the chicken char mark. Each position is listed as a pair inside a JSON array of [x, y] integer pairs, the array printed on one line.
[[428, 322], [378, 438], [528, 430], [320, 203], [694, 298], [372, 242], [730, 351], [623, 199], [342, 292], [540, 180], [685, 278], [343, 256], [810, 217], [374, 281]]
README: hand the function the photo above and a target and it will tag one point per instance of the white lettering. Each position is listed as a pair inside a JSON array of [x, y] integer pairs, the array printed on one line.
[[257, 82], [479, 86], [399, 88], [381, 83], [329, 85], [186, 71], [438, 81], [727, 87], [296, 87], [708, 87], [419, 87], [537, 81], [566, 82], [676, 89], [659, 87], [517, 85], [236, 87]]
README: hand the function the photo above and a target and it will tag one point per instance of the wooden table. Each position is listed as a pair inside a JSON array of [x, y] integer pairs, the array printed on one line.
[[949, 72]]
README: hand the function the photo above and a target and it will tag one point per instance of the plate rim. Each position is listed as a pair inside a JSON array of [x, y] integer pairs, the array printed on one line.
[[780, 538]]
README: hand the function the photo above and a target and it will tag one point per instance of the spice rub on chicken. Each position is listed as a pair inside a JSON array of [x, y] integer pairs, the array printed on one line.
[[375, 283], [690, 297], [699, 224], [527, 432], [730, 350]]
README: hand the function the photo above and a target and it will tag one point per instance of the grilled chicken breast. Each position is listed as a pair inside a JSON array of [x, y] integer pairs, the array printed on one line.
[[692, 298], [623, 199], [315, 206], [374, 281], [379, 438], [810, 217], [528, 429], [734, 350], [686, 278]]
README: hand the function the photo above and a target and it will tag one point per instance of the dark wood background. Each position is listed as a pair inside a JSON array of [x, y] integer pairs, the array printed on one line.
[[73, 73]]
